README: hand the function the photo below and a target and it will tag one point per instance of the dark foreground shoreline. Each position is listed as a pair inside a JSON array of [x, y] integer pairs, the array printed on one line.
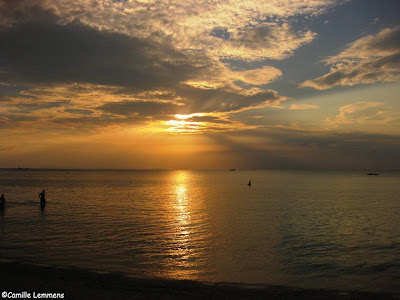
[[74, 283]]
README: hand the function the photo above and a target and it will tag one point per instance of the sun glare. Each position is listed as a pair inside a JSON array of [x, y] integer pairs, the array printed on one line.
[[181, 126], [184, 117]]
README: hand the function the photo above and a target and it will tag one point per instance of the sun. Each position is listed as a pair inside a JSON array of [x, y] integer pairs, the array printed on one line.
[[181, 126]]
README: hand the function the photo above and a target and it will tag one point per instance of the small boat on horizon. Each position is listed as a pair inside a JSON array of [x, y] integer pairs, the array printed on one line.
[[20, 168], [373, 173]]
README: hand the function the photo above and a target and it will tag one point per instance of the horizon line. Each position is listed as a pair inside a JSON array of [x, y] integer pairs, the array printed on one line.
[[188, 169]]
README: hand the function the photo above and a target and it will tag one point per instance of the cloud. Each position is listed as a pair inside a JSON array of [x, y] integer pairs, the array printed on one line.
[[128, 62], [303, 106], [385, 43], [369, 113], [210, 119], [87, 64], [220, 100], [375, 58], [132, 43], [15, 11], [243, 30], [28, 107], [79, 111], [89, 107], [151, 109], [192, 16], [220, 76], [281, 148], [41, 51], [258, 76], [272, 41]]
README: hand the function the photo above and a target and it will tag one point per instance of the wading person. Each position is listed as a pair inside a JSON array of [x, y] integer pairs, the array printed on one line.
[[2, 201], [42, 197]]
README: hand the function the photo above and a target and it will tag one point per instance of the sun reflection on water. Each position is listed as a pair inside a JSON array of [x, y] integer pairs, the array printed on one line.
[[182, 248], [183, 212]]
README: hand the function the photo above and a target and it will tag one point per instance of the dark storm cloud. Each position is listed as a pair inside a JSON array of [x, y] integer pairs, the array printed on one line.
[[41, 51]]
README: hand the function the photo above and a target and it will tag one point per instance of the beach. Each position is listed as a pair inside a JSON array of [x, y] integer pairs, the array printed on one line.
[[74, 283]]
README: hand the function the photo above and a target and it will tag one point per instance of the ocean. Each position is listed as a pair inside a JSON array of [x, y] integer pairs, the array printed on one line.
[[335, 230]]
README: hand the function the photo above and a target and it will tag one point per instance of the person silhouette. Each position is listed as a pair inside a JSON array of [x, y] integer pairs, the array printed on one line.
[[2, 201], [42, 197], [249, 184]]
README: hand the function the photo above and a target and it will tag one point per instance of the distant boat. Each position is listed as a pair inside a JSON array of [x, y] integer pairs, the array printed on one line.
[[232, 169], [21, 168], [373, 173]]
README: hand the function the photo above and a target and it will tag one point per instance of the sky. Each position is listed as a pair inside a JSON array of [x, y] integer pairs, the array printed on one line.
[[200, 84]]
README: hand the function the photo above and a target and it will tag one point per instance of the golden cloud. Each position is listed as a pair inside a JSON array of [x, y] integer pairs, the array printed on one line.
[[374, 58]]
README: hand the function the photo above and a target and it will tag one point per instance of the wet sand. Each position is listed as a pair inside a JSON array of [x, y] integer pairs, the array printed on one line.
[[83, 284]]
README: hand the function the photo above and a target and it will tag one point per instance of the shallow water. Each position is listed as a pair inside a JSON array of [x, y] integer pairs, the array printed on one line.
[[311, 229]]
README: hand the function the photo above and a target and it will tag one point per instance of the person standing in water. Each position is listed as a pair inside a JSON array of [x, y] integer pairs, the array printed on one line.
[[42, 197], [2, 201]]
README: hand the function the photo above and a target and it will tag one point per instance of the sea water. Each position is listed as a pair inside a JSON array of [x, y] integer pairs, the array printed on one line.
[[337, 230]]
